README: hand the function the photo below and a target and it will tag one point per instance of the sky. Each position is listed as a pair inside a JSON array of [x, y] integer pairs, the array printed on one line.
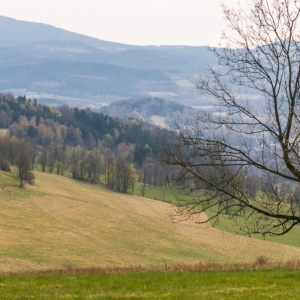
[[137, 22]]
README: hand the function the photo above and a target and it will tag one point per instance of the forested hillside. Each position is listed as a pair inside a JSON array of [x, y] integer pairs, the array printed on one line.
[[87, 144], [152, 110]]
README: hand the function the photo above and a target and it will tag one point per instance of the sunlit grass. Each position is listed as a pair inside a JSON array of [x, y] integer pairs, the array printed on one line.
[[61, 221]]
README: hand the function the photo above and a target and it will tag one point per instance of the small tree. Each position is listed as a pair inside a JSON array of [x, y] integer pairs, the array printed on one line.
[[4, 148], [241, 141], [132, 177], [23, 163]]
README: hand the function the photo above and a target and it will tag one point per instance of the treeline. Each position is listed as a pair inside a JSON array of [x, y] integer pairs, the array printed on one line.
[[119, 174], [84, 143]]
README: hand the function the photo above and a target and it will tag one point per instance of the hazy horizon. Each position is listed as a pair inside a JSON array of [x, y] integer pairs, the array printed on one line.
[[134, 22]]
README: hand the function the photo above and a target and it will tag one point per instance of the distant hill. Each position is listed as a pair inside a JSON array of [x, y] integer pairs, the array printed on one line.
[[155, 111], [58, 66], [15, 33], [71, 78]]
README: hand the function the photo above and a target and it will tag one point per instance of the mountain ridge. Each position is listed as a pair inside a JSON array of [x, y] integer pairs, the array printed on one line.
[[24, 32], [25, 44]]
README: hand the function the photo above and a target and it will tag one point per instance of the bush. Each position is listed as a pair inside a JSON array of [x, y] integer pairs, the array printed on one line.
[[261, 260], [6, 166], [30, 178]]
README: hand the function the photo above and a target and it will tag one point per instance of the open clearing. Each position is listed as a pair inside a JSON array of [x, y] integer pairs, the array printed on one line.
[[61, 222]]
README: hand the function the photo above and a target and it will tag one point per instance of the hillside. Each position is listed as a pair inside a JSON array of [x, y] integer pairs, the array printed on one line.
[[61, 222], [57, 66], [155, 111]]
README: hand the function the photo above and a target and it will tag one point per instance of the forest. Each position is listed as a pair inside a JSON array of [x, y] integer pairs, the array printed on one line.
[[88, 145], [146, 108]]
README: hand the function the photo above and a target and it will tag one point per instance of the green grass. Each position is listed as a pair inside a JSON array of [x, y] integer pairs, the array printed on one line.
[[38, 167], [170, 194], [8, 180], [163, 193], [261, 284], [291, 238]]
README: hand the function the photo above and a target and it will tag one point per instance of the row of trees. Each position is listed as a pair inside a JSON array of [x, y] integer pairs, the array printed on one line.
[[118, 173], [115, 168]]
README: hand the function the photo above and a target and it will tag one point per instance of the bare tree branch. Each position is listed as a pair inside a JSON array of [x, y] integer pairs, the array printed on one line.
[[247, 157]]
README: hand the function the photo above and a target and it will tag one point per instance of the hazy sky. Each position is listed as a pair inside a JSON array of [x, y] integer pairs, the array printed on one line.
[[140, 22]]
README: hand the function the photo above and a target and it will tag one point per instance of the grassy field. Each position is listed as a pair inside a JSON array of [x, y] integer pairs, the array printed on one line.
[[8, 181], [226, 225], [259, 284], [291, 238], [61, 222], [161, 193]]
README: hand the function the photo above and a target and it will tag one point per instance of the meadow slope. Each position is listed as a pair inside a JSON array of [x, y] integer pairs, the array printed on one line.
[[61, 222]]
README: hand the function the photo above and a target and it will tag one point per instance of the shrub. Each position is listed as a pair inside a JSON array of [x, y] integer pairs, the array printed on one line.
[[30, 177], [5, 166], [261, 260]]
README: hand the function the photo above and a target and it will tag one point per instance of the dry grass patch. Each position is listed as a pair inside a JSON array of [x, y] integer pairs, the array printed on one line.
[[68, 269], [61, 221]]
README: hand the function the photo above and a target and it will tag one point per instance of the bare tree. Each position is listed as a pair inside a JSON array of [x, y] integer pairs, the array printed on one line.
[[43, 158], [240, 141], [23, 163], [4, 147]]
